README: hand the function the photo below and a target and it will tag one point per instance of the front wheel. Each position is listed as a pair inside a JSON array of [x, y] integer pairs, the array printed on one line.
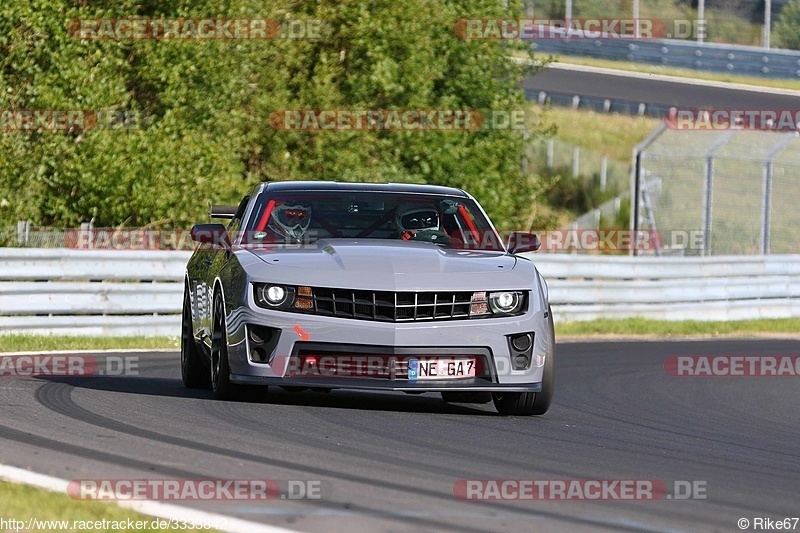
[[515, 403], [221, 385], [532, 403], [193, 372]]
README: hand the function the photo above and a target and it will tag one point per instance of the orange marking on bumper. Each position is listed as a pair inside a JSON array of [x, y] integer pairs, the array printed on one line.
[[301, 332]]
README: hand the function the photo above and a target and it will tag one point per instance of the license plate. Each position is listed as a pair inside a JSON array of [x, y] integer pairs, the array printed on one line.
[[456, 368]]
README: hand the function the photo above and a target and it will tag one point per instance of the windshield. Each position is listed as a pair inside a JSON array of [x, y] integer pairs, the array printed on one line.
[[305, 217]]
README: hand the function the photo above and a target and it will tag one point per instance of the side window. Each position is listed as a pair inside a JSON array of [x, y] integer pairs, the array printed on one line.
[[236, 223]]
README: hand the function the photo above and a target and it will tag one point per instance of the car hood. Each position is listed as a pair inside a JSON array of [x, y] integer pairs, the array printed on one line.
[[389, 265]]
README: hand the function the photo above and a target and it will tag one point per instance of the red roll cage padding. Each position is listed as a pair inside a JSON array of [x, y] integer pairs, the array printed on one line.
[[468, 219], [262, 222]]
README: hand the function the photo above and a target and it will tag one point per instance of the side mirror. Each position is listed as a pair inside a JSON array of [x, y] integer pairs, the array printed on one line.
[[520, 241], [213, 234]]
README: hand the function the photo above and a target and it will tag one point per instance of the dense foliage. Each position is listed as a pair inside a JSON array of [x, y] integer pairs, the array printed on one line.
[[787, 28], [202, 107]]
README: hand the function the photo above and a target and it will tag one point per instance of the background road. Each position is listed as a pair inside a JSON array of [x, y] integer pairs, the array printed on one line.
[[654, 91], [389, 461]]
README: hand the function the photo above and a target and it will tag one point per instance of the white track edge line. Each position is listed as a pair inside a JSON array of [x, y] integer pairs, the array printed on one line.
[[151, 508], [101, 352]]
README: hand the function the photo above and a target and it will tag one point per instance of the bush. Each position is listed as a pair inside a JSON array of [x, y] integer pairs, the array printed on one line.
[[206, 134], [787, 29]]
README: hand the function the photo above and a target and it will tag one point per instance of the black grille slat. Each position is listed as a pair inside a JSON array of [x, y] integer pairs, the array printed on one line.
[[384, 306]]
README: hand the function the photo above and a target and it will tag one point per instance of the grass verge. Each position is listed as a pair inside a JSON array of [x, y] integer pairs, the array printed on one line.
[[31, 343], [600, 327], [58, 512], [646, 327], [612, 134]]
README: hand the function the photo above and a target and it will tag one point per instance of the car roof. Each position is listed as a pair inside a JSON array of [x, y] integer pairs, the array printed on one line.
[[280, 186]]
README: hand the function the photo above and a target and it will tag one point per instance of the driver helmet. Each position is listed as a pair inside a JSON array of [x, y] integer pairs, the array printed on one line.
[[290, 221], [416, 217]]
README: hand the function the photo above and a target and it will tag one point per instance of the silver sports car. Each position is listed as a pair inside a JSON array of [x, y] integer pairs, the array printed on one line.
[[318, 285]]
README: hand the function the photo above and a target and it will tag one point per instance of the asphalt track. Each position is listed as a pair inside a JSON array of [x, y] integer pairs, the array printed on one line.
[[655, 91], [389, 461]]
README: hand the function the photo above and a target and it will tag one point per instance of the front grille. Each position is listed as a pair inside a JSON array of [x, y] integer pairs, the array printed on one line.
[[391, 306]]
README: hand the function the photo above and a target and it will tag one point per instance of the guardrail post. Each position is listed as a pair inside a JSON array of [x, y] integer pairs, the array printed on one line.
[[550, 146]]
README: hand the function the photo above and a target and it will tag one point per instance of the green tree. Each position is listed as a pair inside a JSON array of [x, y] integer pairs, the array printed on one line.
[[205, 106], [787, 29]]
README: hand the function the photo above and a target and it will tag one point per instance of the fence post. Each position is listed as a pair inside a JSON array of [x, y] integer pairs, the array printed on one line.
[[708, 191], [576, 161], [636, 177], [603, 172], [85, 239], [23, 232], [708, 197], [550, 147], [766, 190]]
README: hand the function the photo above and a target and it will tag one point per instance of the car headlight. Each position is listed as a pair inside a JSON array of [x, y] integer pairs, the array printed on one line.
[[505, 302], [497, 303], [274, 296]]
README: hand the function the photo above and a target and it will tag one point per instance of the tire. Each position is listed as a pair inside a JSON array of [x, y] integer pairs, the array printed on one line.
[[220, 375], [466, 397], [532, 403], [514, 403], [193, 372]]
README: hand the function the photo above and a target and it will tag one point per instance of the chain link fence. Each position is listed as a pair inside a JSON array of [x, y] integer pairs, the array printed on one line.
[[731, 192]]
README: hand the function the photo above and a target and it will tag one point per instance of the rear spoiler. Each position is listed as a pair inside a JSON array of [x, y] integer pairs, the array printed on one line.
[[223, 211]]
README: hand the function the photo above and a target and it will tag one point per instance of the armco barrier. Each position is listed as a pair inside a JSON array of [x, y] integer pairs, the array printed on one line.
[[585, 287], [711, 57], [70, 292], [83, 292]]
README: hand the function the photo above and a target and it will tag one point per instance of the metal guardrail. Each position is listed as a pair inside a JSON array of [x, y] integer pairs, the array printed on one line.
[[69, 292], [86, 292], [672, 288], [602, 105], [711, 57]]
